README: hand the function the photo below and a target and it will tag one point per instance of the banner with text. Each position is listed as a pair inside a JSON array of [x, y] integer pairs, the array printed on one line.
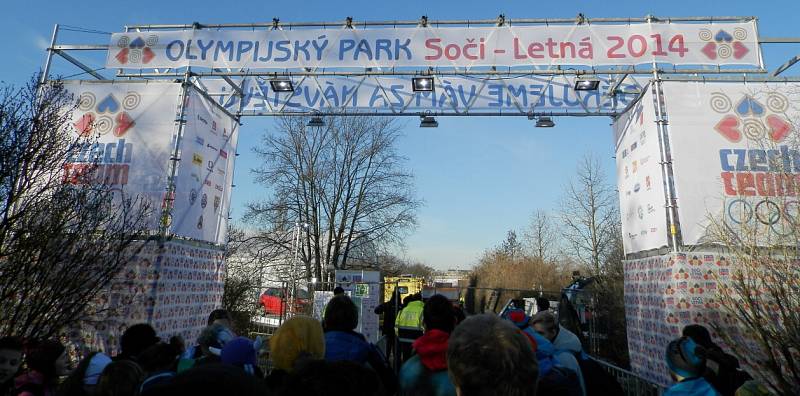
[[640, 180], [204, 178], [451, 95], [583, 45], [133, 137], [735, 157]]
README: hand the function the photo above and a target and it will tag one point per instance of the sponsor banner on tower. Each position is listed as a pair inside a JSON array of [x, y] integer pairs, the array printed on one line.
[[451, 95], [129, 137], [735, 157], [205, 175], [542, 45], [640, 180]]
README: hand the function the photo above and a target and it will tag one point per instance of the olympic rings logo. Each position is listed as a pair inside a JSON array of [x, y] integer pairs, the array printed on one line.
[[781, 220]]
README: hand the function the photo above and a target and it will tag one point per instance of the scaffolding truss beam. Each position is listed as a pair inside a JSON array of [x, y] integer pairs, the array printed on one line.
[[434, 23], [488, 73], [80, 65]]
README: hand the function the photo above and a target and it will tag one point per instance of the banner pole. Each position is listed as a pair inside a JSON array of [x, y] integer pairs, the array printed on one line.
[[666, 160], [49, 58], [169, 199]]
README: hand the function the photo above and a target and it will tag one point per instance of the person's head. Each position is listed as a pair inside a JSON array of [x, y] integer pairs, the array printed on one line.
[[411, 298], [158, 357], [120, 378], [49, 358], [321, 377], [341, 314], [241, 352], [699, 334], [213, 338], [300, 337], [338, 290], [685, 358], [136, 339], [489, 356], [542, 304], [438, 314], [220, 316], [10, 358], [545, 324]]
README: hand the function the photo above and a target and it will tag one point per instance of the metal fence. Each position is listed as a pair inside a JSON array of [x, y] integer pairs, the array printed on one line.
[[632, 384]]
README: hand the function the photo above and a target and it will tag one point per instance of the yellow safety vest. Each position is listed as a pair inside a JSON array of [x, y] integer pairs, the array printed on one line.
[[410, 317]]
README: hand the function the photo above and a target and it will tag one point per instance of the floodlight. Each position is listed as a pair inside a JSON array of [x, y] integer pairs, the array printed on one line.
[[316, 121], [545, 122], [587, 84], [422, 84], [428, 122], [281, 85]]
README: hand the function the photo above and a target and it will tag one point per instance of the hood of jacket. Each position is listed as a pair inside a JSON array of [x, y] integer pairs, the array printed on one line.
[[567, 341], [346, 345], [432, 349]]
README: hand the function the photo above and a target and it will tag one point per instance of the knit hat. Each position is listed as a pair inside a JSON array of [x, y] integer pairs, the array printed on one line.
[[241, 352], [297, 336], [96, 365], [518, 317], [685, 358], [214, 338]]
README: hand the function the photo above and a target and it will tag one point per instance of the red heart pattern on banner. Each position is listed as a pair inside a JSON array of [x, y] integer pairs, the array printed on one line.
[[85, 125], [778, 128], [124, 123], [728, 127]]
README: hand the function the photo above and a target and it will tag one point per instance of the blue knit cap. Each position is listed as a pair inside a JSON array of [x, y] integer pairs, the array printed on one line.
[[685, 358]]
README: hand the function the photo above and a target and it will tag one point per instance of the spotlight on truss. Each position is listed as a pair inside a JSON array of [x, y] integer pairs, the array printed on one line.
[[587, 84], [316, 121], [422, 84], [281, 85], [545, 122], [428, 122]]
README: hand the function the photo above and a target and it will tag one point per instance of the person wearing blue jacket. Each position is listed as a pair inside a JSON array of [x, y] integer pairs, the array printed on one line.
[[687, 363], [342, 342]]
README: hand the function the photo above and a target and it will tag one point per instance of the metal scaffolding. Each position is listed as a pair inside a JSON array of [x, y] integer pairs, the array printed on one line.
[[625, 85]]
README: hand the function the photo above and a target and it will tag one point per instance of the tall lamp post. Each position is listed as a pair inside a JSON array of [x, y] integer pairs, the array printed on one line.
[[293, 268]]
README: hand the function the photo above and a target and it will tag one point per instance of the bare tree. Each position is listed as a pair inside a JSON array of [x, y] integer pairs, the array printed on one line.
[[589, 214], [62, 241], [541, 236], [511, 247], [392, 265], [341, 187], [760, 238]]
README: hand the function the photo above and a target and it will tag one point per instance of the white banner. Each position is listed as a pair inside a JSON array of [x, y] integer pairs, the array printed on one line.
[[583, 45], [640, 181], [452, 95], [205, 175], [134, 136], [735, 155]]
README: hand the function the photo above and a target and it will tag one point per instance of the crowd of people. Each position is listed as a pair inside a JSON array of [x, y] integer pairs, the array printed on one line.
[[511, 354]]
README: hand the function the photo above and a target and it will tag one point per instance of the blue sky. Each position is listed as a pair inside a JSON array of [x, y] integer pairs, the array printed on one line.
[[478, 177]]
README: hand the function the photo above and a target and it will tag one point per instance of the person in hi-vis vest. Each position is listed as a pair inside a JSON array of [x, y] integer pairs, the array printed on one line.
[[408, 324]]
